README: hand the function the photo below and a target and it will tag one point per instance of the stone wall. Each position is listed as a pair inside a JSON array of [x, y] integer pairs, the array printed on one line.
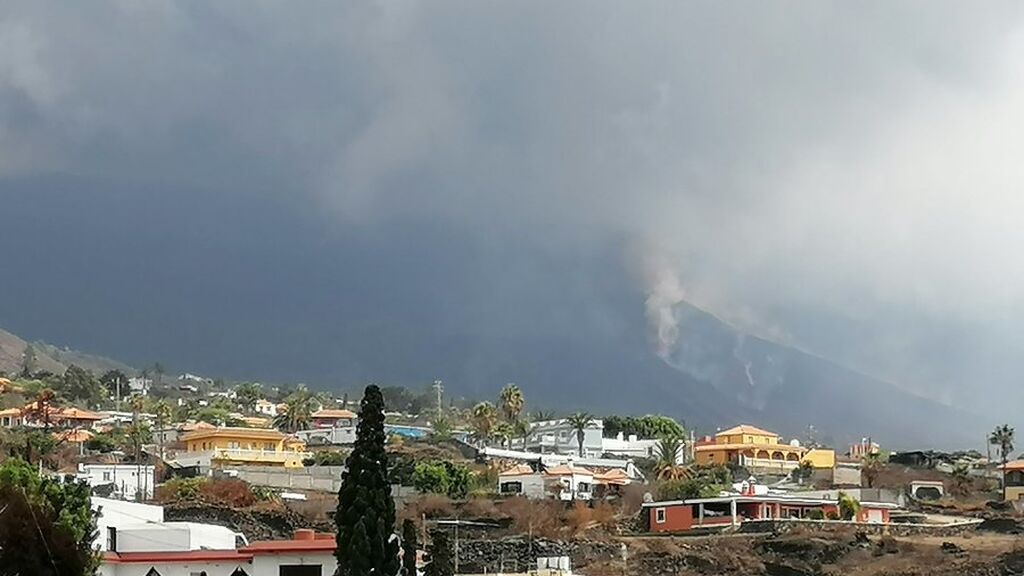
[[520, 554], [786, 525], [320, 478]]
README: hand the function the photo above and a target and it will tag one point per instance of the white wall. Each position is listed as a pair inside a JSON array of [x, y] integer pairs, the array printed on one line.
[[269, 564], [119, 513], [128, 479], [141, 569]]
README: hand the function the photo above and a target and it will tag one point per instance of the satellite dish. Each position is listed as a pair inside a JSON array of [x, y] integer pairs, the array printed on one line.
[[648, 497]]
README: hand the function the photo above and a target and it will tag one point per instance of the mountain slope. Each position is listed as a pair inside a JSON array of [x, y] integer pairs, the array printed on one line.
[[51, 358]]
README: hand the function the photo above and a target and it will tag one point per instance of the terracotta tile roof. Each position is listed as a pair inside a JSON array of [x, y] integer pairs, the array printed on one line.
[[518, 470], [74, 436], [745, 429], [261, 433], [304, 541], [334, 414], [11, 412], [1014, 465], [616, 476], [565, 470], [766, 447]]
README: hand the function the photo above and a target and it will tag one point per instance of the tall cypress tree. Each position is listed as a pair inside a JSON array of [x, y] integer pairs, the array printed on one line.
[[409, 547], [440, 556], [365, 516]]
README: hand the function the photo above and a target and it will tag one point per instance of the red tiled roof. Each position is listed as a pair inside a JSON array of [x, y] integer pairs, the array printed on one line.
[[304, 541], [334, 414], [745, 429]]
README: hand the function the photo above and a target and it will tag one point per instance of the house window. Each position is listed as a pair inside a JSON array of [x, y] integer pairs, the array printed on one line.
[[152, 572], [234, 445], [106, 476], [583, 487], [268, 446], [511, 488], [659, 515]]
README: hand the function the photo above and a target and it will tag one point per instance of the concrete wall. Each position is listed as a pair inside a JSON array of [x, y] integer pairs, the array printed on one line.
[[181, 569], [320, 478], [270, 564], [785, 525]]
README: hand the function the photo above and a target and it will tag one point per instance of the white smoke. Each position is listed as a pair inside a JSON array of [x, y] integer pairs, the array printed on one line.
[[741, 338], [664, 292]]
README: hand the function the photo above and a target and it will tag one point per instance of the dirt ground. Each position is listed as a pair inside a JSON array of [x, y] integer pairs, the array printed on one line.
[[805, 555]]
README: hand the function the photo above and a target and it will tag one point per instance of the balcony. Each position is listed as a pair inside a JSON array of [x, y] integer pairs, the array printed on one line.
[[273, 457], [768, 464]]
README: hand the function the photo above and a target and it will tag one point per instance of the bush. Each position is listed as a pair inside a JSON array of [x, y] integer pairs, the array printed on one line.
[[325, 458], [848, 506], [816, 515], [429, 506], [233, 492], [101, 443], [688, 488], [180, 489], [446, 478]]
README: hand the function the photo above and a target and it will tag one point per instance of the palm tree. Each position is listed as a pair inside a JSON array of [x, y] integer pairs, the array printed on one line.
[[666, 466], [298, 411], [504, 432], [247, 394], [870, 466], [512, 402], [961, 480], [542, 415], [483, 420], [162, 417], [1002, 437], [580, 421]]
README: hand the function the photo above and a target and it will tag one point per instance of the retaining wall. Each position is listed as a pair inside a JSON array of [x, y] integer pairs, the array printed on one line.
[[785, 525]]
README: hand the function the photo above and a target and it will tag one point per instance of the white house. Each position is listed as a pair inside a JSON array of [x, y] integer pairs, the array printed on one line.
[[633, 447], [130, 481], [266, 407], [566, 482], [307, 554], [140, 385], [559, 436]]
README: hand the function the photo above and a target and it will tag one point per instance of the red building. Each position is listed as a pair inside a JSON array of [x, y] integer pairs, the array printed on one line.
[[732, 510]]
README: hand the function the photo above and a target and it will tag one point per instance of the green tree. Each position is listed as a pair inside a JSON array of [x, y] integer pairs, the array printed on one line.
[[365, 516], [29, 361], [47, 526], [1002, 438], [29, 444], [440, 556], [580, 421], [644, 427], [803, 472], [247, 394], [848, 506], [114, 382], [512, 402], [103, 442], [298, 411], [431, 478], [409, 548], [504, 432], [80, 385], [483, 420]]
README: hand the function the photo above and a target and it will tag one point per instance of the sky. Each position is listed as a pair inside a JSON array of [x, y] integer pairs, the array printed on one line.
[[341, 191]]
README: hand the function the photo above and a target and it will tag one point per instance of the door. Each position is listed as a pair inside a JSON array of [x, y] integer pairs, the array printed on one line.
[[874, 517]]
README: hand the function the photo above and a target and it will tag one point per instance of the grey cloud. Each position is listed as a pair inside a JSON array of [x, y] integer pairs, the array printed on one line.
[[841, 177]]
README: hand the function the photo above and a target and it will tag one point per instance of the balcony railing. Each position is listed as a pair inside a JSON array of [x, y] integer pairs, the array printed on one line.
[[247, 455], [769, 464]]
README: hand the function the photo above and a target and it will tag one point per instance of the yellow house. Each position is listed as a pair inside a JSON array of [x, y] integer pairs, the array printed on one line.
[[753, 447], [749, 446], [254, 446], [1014, 474]]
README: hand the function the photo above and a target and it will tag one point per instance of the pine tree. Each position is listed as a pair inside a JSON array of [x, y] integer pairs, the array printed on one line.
[[409, 547], [365, 516], [440, 556]]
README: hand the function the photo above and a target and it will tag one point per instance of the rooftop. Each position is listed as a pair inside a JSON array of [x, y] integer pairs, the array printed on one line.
[[334, 414], [228, 431], [745, 429]]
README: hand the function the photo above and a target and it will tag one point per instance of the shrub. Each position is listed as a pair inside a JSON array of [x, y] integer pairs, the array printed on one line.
[[537, 517], [231, 491], [578, 518], [816, 515], [429, 506], [446, 478], [848, 506], [688, 488], [180, 489], [101, 443], [480, 507], [325, 458]]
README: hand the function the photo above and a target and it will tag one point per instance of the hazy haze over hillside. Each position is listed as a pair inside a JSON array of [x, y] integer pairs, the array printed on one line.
[[527, 192]]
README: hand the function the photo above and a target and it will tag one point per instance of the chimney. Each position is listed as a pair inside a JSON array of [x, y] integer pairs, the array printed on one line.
[[305, 534], [619, 436], [632, 437]]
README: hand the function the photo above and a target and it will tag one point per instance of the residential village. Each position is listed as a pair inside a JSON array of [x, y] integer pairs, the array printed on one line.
[[192, 477]]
